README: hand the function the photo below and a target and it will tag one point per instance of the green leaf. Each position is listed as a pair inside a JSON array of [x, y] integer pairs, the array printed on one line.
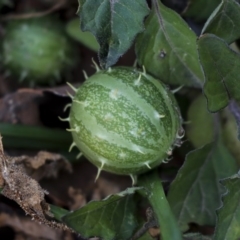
[[58, 212], [195, 193], [200, 10], [221, 67], [196, 236], [229, 214], [114, 23], [167, 48], [225, 21], [111, 218], [86, 38]]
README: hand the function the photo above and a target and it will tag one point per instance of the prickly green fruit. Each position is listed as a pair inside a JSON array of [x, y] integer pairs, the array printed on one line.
[[200, 129], [125, 121], [37, 50]]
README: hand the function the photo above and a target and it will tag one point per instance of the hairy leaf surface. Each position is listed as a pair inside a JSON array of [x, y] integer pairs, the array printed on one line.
[[200, 10], [114, 23], [111, 218], [195, 193], [221, 67], [229, 214], [58, 212], [225, 21], [167, 48]]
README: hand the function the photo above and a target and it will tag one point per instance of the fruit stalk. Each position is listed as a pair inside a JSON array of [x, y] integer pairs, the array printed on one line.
[[157, 199]]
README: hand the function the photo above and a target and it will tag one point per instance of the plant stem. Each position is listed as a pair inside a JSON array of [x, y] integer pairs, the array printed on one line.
[[32, 137], [37, 138], [163, 213]]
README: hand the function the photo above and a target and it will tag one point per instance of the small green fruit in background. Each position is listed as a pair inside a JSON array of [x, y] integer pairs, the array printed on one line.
[[5, 3], [200, 129], [125, 121], [230, 134], [37, 50]]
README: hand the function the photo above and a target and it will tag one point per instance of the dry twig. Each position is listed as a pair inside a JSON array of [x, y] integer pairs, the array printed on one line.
[[54, 8]]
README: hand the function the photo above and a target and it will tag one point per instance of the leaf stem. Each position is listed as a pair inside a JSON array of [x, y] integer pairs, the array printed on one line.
[[160, 205], [32, 137]]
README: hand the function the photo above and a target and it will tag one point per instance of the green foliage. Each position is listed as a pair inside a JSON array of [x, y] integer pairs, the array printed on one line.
[[229, 214], [125, 108], [114, 24], [201, 9], [33, 137], [225, 21], [167, 48], [58, 212], [195, 193], [221, 67], [111, 218], [196, 236], [171, 52]]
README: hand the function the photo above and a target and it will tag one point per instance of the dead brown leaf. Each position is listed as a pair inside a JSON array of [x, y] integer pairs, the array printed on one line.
[[103, 188], [6, 85], [78, 199], [25, 228], [15, 107], [43, 165], [154, 232], [62, 91], [26, 191], [34, 106], [82, 178]]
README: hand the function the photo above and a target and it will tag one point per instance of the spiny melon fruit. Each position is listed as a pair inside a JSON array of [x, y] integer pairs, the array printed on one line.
[[125, 121], [37, 50]]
